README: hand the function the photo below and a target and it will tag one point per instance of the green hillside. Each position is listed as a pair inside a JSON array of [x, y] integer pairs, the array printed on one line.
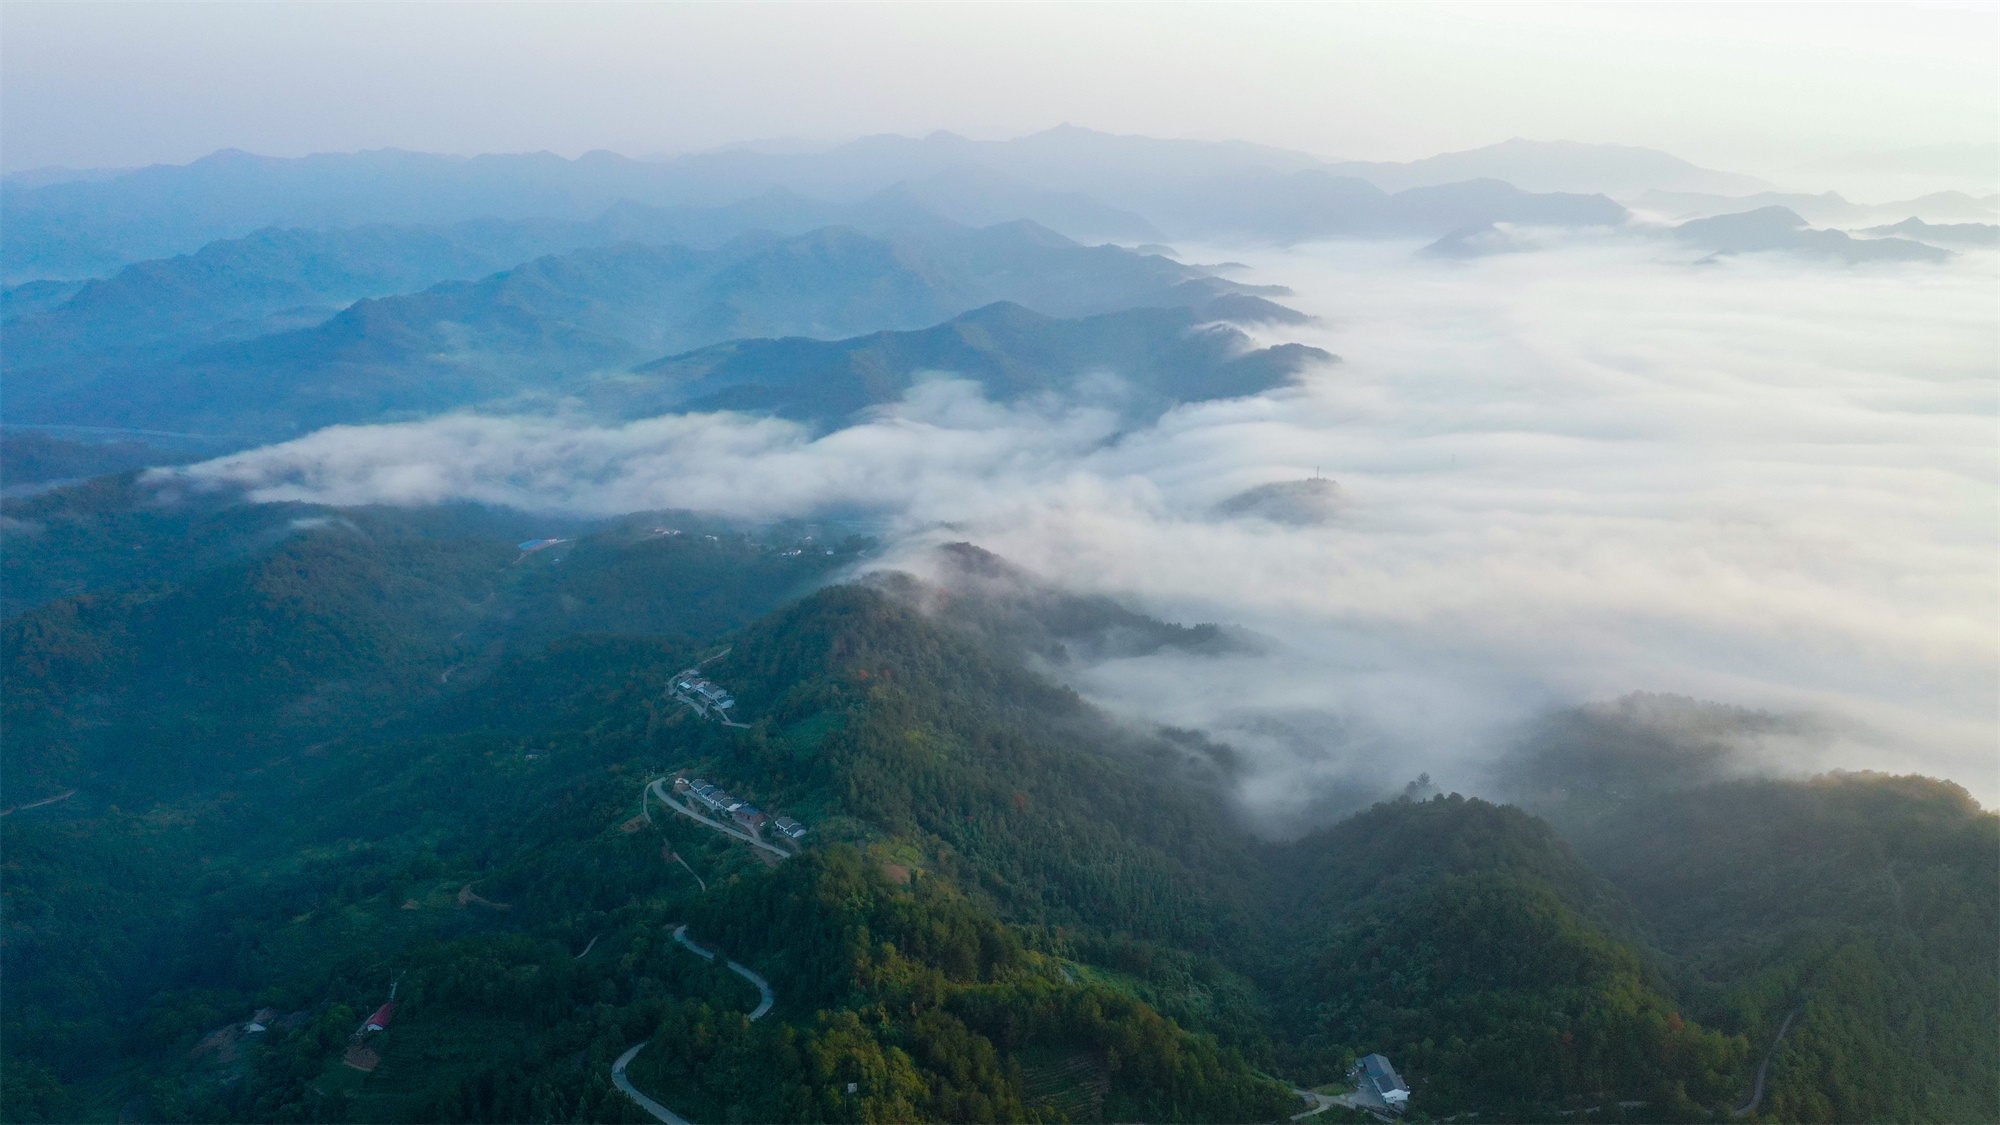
[[1467, 942], [344, 621], [33, 457], [316, 904], [1010, 906], [1866, 907]]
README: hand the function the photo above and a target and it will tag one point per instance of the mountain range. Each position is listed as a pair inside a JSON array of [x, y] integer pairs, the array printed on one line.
[[1089, 185], [1085, 184], [550, 328], [1619, 171], [91, 228]]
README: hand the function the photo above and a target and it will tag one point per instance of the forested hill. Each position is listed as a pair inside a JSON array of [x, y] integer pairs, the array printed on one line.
[[307, 623], [1466, 941], [1008, 905], [1862, 907], [895, 740], [1857, 913]]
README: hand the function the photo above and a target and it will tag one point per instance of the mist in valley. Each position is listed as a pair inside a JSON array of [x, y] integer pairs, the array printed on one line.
[[1562, 476]]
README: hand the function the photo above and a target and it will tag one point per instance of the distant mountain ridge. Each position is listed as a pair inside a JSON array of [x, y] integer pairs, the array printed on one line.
[[1765, 229], [979, 196], [1777, 228], [1826, 209], [1555, 166], [92, 227], [1960, 234], [1086, 184]]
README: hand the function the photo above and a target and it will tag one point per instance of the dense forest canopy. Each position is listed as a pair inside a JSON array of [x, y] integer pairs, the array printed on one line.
[[306, 754]]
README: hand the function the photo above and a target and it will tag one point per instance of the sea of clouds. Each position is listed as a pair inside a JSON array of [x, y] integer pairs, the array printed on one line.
[[1569, 475]]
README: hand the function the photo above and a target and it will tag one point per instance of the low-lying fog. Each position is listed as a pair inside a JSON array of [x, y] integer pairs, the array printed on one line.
[[1565, 476]]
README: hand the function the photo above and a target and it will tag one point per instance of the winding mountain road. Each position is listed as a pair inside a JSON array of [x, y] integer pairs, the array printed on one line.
[[618, 1079], [763, 986], [1757, 1093]]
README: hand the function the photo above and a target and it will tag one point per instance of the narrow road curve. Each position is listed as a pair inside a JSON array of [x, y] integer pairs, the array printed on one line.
[[763, 986], [658, 789], [1757, 1093], [1323, 1102], [684, 864], [1319, 1102], [618, 1079]]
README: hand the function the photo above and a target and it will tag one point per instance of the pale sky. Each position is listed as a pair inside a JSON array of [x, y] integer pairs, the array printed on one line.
[[1742, 87]]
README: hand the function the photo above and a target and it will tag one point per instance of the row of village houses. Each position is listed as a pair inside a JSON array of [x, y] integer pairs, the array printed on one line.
[[743, 812]]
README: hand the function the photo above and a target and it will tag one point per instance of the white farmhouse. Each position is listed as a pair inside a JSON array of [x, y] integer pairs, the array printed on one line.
[[1381, 1078]]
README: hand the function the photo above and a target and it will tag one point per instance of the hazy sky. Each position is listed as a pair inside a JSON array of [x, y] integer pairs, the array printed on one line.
[[1754, 88]]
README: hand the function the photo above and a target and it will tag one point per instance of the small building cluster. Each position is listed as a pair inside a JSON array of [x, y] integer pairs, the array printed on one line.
[[720, 801], [702, 692], [702, 792]]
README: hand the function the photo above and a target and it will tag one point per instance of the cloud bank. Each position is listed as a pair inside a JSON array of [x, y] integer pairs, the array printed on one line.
[[1568, 475]]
